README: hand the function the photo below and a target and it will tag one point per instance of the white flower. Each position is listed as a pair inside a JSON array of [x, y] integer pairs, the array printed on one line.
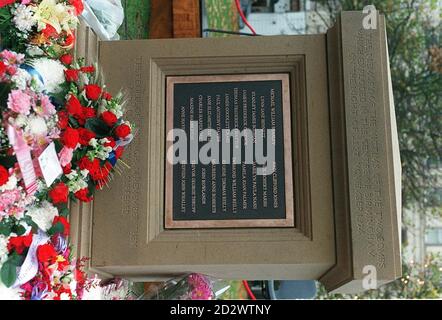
[[77, 182], [52, 72], [10, 185], [93, 142], [37, 126], [3, 249], [21, 79], [34, 51], [24, 18], [20, 121], [43, 215]]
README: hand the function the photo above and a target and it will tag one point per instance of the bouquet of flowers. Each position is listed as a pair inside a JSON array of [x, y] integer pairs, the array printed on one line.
[[93, 132], [33, 232], [193, 286], [39, 27]]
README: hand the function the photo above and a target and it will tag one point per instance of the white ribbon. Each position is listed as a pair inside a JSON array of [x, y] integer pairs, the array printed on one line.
[[30, 266], [124, 142]]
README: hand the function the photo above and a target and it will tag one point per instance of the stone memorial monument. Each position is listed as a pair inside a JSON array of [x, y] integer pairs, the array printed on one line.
[[254, 158]]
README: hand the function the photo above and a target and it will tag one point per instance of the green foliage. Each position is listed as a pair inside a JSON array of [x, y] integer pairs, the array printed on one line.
[[56, 228], [98, 127], [415, 55], [8, 272], [419, 281]]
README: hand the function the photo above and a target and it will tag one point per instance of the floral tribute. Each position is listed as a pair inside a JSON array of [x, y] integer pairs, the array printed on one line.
[[39, 27], [62, 136]]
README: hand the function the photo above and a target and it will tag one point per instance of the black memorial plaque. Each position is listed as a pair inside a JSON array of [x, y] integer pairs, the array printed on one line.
[[225, 193]]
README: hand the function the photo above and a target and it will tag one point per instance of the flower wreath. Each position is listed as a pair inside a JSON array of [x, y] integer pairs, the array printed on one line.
[[39, 27], [58, 107]]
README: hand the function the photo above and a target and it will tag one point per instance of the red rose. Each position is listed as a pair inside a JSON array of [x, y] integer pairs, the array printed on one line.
[[102, 174], [66, 59], [111, 142], [59, 193], [85, 136], [70, 138], [107, 95], [91, 166], [122, 131], [4, 3], [63, 120], [46, 254], [89, 113], [93, 91], [67, 168], [19, 244], [88, 69], [78, 5], [2, 68], [71, 75], [4, 175], [49, 32], [82, 195], [64, 222], [119, 152], [109, 118], [73, 106], [70, 39]]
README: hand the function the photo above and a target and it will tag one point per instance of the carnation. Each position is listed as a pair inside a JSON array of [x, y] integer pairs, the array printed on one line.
[[24, 18], [21, 78], [19, 101], [37, 126], [43, 215], [52, 72]]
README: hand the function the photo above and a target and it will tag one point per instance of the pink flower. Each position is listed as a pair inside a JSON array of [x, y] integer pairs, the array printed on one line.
[[201, 287], [26, 1], [46, 108], [12, 57], [19, 101], [65, 156], [8, 198]]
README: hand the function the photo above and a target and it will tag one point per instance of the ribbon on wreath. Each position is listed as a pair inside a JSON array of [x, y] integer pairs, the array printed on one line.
[[24, 159], [29, 268]]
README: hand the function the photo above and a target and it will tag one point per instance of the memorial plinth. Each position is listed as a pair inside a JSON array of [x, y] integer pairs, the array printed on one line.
[[330, 205]]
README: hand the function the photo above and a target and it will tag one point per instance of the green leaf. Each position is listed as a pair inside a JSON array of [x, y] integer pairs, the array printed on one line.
[[8, 161], [19, 229], [64, 212], [56, 228], [5, 89], [8, 273], [73, 122], [6, 227], [98, 127]]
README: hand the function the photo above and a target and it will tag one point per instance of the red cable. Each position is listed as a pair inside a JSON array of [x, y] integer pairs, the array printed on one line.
[[243, 17], [249, 291]]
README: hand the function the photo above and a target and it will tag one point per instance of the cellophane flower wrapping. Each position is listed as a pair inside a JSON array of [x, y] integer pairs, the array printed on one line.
[[192, 286]]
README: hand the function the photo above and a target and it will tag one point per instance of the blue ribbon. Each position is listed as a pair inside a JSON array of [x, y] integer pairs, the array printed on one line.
[[112, 159], [31, 70]]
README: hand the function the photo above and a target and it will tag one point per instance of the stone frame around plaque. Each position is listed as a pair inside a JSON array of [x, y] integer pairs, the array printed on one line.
[[136, 206], [288, 221]]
